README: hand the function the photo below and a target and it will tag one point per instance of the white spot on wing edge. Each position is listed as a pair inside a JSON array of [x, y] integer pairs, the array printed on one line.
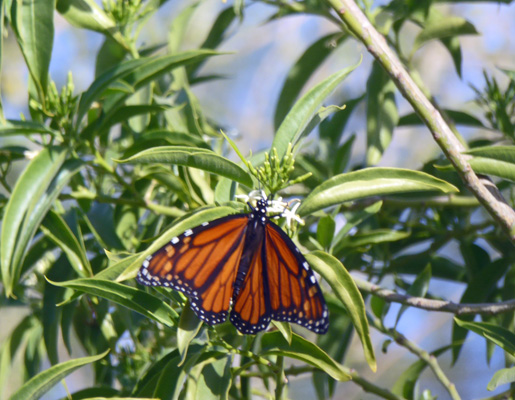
[[174, 240], [205, 223], [188, 232]]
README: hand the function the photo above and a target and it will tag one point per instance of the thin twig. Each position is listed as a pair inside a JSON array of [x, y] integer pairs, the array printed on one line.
[[436, 305], [369, 387], [420, 353], [483, 189]]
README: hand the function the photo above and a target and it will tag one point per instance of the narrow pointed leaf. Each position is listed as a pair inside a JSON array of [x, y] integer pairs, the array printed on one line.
[[12, 127], [204, 159], [32, 184], [494, 160], [382, 114], [44, 381], [335, 274], [134, 299], [142, 71], [502, 377], [444, 27], [502, 337], [371, 182], [304, 110], [189, 327], [302, 349], [33, 24], [301, 71]]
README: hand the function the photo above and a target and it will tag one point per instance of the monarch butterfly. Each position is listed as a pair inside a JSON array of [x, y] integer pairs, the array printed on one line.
[[245, 260]]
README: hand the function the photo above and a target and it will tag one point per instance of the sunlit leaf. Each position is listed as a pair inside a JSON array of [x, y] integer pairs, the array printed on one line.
[[36, 387], [346, 290], [304, 350], [371, 182], [304, 110], [204, 159]]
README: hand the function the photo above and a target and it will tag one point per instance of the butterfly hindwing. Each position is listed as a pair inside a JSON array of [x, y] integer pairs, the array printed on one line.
[[202, 263], [294, 293]]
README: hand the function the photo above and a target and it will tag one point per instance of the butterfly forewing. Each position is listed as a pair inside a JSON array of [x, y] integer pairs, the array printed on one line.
[[202, 263], [293, 289]]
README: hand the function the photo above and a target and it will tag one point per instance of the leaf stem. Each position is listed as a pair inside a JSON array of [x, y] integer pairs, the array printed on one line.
[[280, 378]]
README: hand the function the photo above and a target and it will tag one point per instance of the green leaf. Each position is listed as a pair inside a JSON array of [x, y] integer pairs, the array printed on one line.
[[418, 288], [406, 383], [210, 377], [60, 233], [215, 36], [20, 219], [325, 231], [88, 15], [189, 327], [204, 159], [161, 137], [502, 337], [346, 290], [44, 381], [304, 110], [51, 315], [33, 24], [127, 113], [382, 114], [502, 377], [443, 27], [284, 328], [356, 218], [302, 349], [302, 70], [453, 46], [370, 182], [458, 117], [494, 160], [134, 299], [178, 27], [480, 287], [137, 73], [342, 156], [11, 127], [371, 237]]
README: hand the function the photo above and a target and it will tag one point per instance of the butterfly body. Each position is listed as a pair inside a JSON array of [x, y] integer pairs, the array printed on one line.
[[243, 260]]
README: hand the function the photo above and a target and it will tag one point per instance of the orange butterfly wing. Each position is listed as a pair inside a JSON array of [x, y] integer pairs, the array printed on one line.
[[202, 263], [294, 293], [251, 309]]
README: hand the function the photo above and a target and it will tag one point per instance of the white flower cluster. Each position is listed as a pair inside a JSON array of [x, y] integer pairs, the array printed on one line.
[[277, 206]]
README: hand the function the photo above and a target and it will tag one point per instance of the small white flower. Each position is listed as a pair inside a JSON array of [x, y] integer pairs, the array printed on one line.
[[291, 215]]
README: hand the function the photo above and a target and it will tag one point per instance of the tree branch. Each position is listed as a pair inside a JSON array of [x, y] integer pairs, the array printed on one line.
[[483, 189], [436, 305], [420, 353]]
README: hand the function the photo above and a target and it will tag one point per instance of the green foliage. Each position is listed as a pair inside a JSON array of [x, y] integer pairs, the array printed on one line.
[[116, 171]]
